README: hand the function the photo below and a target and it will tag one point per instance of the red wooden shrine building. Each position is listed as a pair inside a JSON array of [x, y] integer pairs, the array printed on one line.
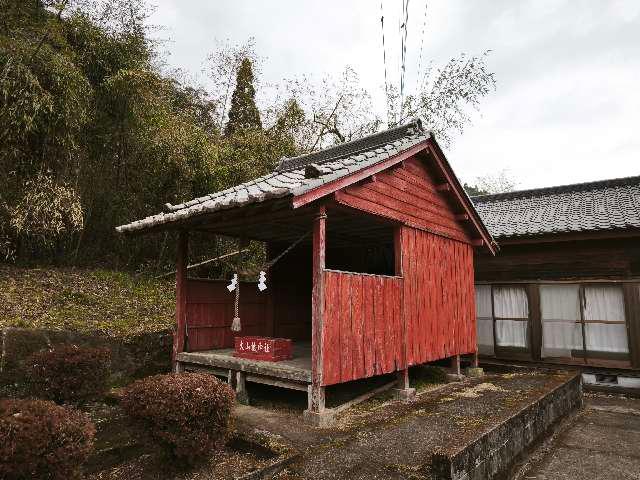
[[380, 278]]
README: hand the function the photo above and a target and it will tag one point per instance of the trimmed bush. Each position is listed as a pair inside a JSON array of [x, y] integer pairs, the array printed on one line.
[[68, 373], [188, 413], [42, 440]]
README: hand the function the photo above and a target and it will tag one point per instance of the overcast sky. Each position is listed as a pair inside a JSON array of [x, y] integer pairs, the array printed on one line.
[[567, 104]]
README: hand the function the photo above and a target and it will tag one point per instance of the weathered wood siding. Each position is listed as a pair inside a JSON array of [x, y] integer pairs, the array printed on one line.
[[409, 194], [210, 312], [362, 328], [439, 296], [580, 259]]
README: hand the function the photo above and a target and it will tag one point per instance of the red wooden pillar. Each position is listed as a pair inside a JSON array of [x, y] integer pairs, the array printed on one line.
[[403, 390], [181, 298], [316, 412]]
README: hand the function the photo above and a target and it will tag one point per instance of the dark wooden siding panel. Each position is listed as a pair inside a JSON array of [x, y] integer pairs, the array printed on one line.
[[585, 259], [209, 312], [290, 283], [362, 314], [406, 193], [439, 303]]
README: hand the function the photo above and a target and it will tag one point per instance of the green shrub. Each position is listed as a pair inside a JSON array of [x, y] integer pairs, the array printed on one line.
[[42, 440], [188, 413], [69, 374]]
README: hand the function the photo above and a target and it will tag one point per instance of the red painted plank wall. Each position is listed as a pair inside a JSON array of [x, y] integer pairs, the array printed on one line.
[[439, 298], [362, 326], [210, 313], [406, 193]]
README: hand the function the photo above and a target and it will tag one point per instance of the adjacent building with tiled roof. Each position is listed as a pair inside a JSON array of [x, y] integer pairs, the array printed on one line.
[[565, 287], [605, 205]]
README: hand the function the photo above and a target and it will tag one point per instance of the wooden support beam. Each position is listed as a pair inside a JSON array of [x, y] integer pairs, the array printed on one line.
[[363, 397], [455, 365], [535, 320], [474, 360], [477, 242], [403, 391], [316, 390], [242, 396], [443, 187], [632, 314], [179, 335], [462, 217]]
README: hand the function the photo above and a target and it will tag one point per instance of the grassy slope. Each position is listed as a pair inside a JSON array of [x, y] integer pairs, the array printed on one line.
[[115, 303]]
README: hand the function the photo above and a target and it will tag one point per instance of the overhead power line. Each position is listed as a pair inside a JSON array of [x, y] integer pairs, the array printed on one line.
[[384, 60], [424, 25], [403, 43]]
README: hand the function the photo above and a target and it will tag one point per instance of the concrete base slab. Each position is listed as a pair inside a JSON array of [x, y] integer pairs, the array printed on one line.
[[474, 372], [404, 394], [322, 420], [455, 377]]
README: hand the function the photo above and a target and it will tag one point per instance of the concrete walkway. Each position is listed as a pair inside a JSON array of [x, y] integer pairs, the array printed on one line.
[[601, 442]]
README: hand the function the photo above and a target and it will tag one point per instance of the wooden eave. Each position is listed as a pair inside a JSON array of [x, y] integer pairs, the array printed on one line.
[[451, 186]]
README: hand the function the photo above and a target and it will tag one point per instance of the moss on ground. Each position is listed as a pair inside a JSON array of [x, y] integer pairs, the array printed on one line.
[[424, 377], [85, 300]]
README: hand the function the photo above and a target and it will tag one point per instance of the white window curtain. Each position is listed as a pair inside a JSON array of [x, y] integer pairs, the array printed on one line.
[[560, 312], [603, 305], [509, 305], [484, 320]]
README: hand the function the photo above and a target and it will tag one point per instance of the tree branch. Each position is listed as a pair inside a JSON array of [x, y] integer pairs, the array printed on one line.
[[325, 126]]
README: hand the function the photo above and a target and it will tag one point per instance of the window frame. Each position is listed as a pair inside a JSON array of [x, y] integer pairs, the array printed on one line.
[[578, 356], [517, 353], [585, 353]]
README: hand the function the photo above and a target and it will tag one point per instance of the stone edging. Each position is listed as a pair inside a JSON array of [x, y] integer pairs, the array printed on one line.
[[492, 453]]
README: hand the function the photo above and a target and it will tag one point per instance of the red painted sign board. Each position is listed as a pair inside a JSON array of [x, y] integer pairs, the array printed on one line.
[[263, 348]]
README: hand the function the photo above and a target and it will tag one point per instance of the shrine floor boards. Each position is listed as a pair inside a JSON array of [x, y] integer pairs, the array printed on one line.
[[298, 369]]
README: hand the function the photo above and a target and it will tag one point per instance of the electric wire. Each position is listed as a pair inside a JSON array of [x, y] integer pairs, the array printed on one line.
[[424, 25], [403, 37], [384, 61]]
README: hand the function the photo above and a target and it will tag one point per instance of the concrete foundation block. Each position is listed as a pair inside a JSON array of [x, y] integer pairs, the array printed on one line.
[[474, 372], [404, 394], [455, 377], [323, 419]]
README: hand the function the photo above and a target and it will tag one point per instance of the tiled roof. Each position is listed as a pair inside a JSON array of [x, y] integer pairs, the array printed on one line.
[[583, 207], [295, 176]]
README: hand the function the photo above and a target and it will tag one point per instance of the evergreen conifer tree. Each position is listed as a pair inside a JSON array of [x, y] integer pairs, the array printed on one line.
[[243, 114]]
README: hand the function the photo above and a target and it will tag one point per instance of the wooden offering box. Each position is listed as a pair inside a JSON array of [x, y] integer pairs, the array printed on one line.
[[263, 348]]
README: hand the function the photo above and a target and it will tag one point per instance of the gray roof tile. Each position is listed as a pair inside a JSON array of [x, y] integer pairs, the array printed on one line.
[[594, 206], [289, 179]]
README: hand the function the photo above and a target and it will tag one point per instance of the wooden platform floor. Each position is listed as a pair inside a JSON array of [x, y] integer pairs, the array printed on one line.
[[298, 369]]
